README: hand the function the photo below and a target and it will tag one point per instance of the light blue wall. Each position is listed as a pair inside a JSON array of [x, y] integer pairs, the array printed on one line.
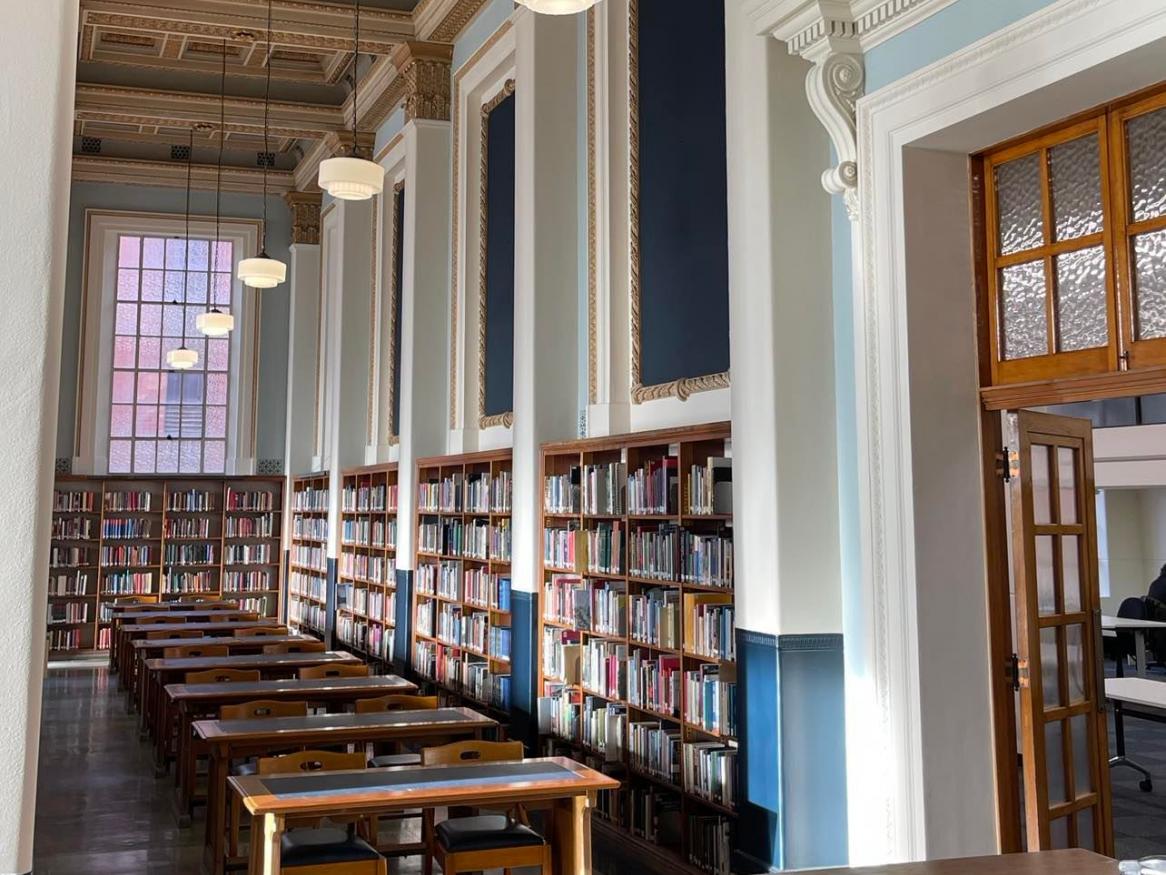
[[389, 128], [484, 24], [274, 312]]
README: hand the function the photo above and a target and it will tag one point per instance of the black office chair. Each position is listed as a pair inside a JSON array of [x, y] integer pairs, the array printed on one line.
[[1122, 648]]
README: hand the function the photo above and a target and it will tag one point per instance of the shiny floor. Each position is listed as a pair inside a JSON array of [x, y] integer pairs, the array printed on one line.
[[100, 811]]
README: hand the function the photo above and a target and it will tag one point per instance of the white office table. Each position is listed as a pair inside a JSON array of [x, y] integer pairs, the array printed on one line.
[[1148, 699], [1139, 628]]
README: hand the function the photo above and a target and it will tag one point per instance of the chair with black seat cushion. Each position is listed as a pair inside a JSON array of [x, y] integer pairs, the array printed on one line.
[[396, 703], [337, 670], [483, 841], [308, 646], [310, 849], [1122, 647]]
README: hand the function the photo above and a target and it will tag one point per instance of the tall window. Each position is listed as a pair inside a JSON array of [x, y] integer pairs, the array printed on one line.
[[1075, 244], [163, 421]]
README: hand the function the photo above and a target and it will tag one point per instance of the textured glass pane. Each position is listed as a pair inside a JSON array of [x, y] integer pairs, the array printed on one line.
[[127, 285], [1018, 204], [152, 252], [1075, 659], [151, 285], [147, 421], [199, 252], [1059, 830], [216, 389], [1082, 321], [1049, 662], [192, 388], [172, 321], [215, 457], [223, 289], [121, 420], [1147, 149], [127, 319], [1055, 762], [1067, 483], [123, 387], [192, 314], [1150, 284], [216, 422], [1022, 292], [216, 354], [119, 457], [1082, 773], [175, 288], [1085, 824], [1046, 586], [190, 457], [1071, 572], [169, 421], [167, 456], [129, 250], [1041, 500], [175, 254], [148, 387], [196, 288], [124, 352], [191, 421], [151, 320], [170, 387], [144, 457], [198, 345], [148, 352], [1075, 175], [224, 262]]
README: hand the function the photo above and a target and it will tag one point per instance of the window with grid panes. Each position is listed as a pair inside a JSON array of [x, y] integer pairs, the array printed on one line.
[[1076, 245], [161, 420]]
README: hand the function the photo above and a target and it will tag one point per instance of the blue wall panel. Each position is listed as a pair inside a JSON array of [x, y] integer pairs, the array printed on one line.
[[402, 652], [499, 311], [759, 825], [523, 656]]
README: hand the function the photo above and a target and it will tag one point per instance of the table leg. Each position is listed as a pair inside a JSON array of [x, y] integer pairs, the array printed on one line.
[[265, 855], [572, 831], [216, 805], [1140, 647]]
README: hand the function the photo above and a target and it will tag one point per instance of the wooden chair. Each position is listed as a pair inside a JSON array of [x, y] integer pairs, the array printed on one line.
[[484, 841], [157, 621], [197, 598], [309, 646], [222, 676], [261, 631], [224, 617], [173, 633], [395, 703], [185, 650], [314, 850], [339, 670]]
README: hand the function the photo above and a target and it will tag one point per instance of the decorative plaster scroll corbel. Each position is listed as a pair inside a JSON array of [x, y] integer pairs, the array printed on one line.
[[833, 86]]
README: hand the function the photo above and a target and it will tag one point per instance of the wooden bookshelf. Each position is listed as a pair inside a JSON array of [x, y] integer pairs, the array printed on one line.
[[307, 576], [461, 585], [366, 589], [636, 607], [158, 539]]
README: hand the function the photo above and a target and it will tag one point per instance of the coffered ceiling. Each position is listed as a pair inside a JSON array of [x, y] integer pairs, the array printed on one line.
[[149, 74]]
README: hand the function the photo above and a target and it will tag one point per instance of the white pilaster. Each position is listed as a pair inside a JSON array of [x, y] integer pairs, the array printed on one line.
[[546, 243], [303, 315], [35, 142]]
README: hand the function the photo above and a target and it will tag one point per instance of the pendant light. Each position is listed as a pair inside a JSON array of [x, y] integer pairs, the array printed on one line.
[[214, 322], [183, 359], [352, 178], [263, 271], [557, 7]]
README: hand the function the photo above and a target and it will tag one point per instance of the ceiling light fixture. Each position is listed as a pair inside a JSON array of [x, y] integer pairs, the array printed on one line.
[[263, 271], [352, 178], [183, 359], [557, 7], [214, 322]]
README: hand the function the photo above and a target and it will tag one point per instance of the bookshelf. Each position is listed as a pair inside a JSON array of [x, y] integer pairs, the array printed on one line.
[[158, 539], [307, 578], [637, 667], [461, 585], [366, 589]]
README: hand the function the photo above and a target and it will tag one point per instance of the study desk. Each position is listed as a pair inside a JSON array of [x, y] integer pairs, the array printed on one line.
[[1139, 628], [190, 702], [1148, 698], [1074, 862], [237, 739], [182, 620]]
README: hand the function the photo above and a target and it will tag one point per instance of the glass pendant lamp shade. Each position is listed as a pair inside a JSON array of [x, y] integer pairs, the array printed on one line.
[[558, 7], [262, 272], [215, 323], [182, 359], [351, 179]]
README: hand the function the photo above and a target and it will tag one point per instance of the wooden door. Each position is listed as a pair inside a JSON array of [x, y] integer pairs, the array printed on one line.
[[1063, 722]]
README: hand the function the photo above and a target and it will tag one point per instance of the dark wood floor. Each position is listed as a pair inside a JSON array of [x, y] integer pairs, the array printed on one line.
[[100, 811]]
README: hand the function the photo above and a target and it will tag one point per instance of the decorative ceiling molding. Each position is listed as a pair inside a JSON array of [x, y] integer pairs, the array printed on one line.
[[442, 20], [424, 68], [171, 174], [305, 210], [804, 24]]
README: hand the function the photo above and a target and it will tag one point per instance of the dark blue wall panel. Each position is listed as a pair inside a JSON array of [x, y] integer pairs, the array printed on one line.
[[523, 638], [684, 260], [499, 312], [759, 825], [402, 652], [398, 295]]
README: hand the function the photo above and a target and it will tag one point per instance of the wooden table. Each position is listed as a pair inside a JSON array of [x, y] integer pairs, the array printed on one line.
[[120, 628], [1139, 628], [190, 702], [1076, 862], [568, 787], [157, 673], [237, 739], [1148, 699]]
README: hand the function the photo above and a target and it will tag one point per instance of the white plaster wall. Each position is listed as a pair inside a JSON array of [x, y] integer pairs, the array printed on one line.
[[1152, 504], [36, 108], [1127, 555]]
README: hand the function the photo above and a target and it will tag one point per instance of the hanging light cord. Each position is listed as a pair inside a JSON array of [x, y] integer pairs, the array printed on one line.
[[186, 247], [355, 76], [266, 111], [210, 262]]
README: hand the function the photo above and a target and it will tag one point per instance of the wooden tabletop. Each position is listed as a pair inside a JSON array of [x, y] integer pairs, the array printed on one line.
[[250, 660], [225, 626], [131, 619], [425, 721], [1075, 862], [227, 641], [420, 787], [153, 607], [278, 689]]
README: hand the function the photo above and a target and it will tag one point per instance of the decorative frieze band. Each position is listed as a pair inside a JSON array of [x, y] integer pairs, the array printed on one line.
[[305, 210]]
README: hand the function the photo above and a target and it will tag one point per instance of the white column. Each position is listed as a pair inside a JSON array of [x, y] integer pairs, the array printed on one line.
[[303, 288], [35, 144], [546, 251], [424, 315]]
